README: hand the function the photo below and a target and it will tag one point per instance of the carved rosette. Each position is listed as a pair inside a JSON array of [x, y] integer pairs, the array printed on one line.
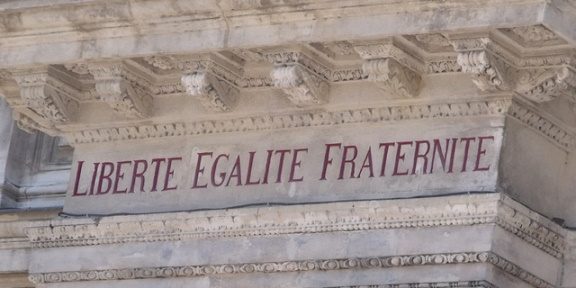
[[216, 95], [302, 87], [491, 72], [547, 84], [44, 94], [391, 68], [117, 86]]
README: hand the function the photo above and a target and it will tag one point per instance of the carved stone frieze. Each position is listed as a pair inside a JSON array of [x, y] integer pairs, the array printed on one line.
[[542, 85], [383, 215], [122, 89], [383, 262], [391, 68], [492, 106], [44, 94], [476, 56], [443, 65], [216, 95]]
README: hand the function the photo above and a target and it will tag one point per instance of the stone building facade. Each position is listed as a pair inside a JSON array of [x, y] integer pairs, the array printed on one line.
[[301, 143]]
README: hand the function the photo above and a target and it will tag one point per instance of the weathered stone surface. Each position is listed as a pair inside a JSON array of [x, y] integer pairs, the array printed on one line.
[[305, 143]]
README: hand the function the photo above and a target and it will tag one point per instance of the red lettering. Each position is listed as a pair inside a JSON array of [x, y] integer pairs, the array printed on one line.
[[77, 181], [249, 174], [281, 164], [466, 148], [296, 163], [345, 161], [119, 176], [367, 163], [400, 156], [267, 168], [93, 182], [170, 173], [105, 176], [453, 154], [480, 153], [236, 172], [214, 167], [437, 149], [424, 156], [140, 175], [385, 156], [327, 159], [156, 161], [200, 170]]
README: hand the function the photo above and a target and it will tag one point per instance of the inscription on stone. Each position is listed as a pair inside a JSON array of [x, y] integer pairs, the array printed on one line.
[[340, 162], [281, 167]]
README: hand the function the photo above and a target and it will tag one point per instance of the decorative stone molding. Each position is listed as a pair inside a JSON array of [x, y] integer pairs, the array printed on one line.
[[5, 75], [301, 87], [487, 209], [546, 125], [390, 76], [383, 262], [443, 65], [391, 68], [29, 125], [491, 72], [303, 80], [44, 94], [533, 36], [398, 112], [118, 85], [78, 68], [543, 85], [215, 95], [454, 284]]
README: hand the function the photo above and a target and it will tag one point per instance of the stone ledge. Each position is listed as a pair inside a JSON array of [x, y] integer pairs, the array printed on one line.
[[313, 218], [295, 266]]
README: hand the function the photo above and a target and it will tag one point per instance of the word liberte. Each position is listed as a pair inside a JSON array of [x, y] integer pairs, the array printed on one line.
[[212, 170]]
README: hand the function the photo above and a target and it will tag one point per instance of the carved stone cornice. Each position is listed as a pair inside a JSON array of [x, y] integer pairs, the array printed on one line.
[[544, 124], [381, 114], [546, 84], [302, 87], [491, 72], [489, 209], [391, 76], [303, 79], [383, 262], [216, 95], [27, 124], [391, 68], [118, 85], [44, 94], [453, 284]]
